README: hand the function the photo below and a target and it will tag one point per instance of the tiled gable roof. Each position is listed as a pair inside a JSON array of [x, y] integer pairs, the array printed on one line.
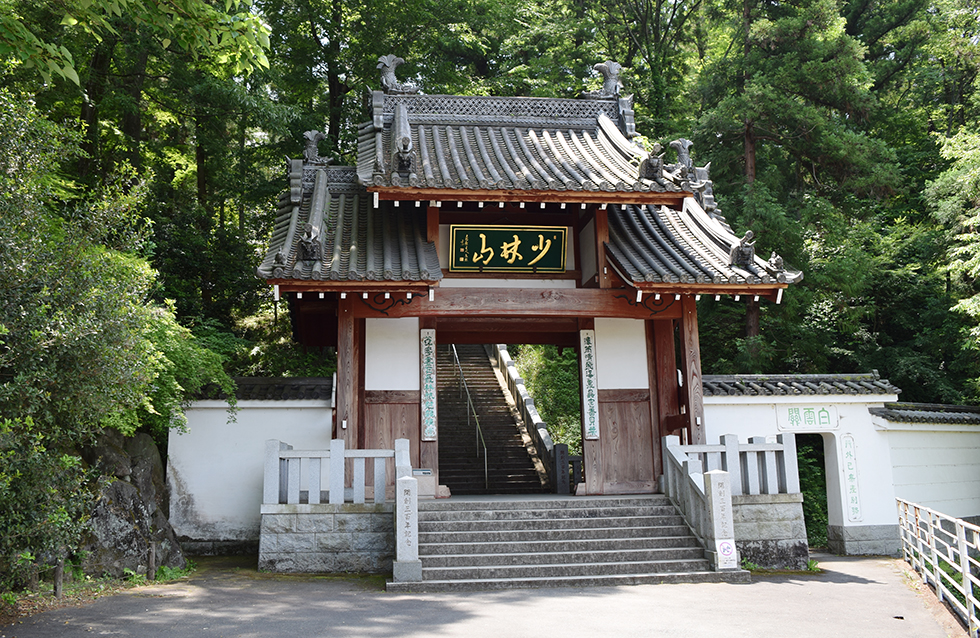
[[503, 143], [795, 384], [328, 229], [659, 244]]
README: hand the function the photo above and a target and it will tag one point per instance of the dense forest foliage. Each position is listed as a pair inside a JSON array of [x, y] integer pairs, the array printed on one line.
[[143, 145], [842, 133]]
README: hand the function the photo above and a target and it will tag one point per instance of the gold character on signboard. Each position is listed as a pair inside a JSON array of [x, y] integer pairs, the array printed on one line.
[[481, 256], [509, 252], [543, 245]]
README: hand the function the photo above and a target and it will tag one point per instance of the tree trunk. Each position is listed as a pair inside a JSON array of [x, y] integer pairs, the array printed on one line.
[[749, 145], [132, 122], [335, 87], [752, 314], [95, 89]]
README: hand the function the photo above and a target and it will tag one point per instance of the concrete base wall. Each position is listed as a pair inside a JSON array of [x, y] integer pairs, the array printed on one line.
[[876, 540], [327, 538], [769, 530]]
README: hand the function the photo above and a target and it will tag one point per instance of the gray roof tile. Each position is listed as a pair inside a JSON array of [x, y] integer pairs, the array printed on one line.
[[659, 244], [504, 143], [795, 384], [275, 389], [351, 240], [928, 413]]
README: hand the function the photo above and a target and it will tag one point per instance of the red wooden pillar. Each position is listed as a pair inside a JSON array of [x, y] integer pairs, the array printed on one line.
[[691, 369], [350, 337], [601, 237]]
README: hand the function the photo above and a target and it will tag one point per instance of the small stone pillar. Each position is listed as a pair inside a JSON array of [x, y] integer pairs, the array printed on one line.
[[407, 567], [718, 499]]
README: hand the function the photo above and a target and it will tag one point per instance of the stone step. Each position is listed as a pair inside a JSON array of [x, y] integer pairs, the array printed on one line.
[[473, 543], [566, 534], [630, 555], [561, 570], [574, 503], [556, 547], [739, 576], [548, 514], [622, 522]]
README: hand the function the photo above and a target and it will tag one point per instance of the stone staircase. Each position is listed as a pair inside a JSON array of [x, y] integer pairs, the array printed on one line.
[[547, 541], [510, 468]]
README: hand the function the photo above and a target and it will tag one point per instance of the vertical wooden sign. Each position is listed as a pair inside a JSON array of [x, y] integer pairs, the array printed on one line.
[[429, 402], [590, 391]]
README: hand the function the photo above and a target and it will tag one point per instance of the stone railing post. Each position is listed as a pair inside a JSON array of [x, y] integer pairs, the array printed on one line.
[[561, 469], [720, 526], [406, 568], [733, 463], [272, 482], [789, 467], [337, 462]]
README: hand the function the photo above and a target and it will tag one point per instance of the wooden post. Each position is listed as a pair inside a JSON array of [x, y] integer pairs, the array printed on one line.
[[59, 578], [657, 406], [601, 237], [691, 369], [151, 561], [432, 225], [348, 372]]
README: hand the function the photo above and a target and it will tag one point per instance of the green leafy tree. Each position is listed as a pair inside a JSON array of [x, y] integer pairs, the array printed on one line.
[[956, 197], [551, 376], [44, 502], [236, 36], [81, 347]]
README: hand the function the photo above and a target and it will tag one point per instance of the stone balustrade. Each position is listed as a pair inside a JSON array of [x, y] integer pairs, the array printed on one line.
[[313, 522], [759, 497]]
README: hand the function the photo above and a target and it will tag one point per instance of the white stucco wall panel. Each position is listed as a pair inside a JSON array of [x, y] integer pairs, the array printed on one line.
[[391, 354], [621, 354], [215, 470], [748, 416], [937, 469]]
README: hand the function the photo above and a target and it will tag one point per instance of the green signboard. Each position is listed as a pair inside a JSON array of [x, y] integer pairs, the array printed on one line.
[[534, 249]]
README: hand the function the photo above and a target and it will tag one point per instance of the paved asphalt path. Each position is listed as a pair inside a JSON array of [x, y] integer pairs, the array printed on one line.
[[860, 597]]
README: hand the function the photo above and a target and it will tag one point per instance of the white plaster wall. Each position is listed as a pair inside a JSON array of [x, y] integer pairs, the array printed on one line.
[[767, 416], [936, 466], [214, 470], [621, 354], [391, 354]]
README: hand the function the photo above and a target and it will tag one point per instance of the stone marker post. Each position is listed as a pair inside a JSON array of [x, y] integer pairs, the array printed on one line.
[[718, 499], [406, 568]]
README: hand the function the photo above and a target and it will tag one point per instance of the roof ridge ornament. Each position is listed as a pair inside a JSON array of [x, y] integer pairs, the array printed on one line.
[[311, 153], [390, 84], [611, 84], [743, 253], [309, 243]]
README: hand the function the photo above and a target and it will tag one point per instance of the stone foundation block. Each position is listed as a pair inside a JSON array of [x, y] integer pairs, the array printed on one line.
[[327, 538], [857, 540]]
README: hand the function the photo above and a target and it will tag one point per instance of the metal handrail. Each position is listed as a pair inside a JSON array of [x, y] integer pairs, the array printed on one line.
[[471, 409]]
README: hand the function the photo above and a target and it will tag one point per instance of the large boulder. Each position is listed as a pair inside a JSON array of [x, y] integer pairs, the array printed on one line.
[[131, 511]]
